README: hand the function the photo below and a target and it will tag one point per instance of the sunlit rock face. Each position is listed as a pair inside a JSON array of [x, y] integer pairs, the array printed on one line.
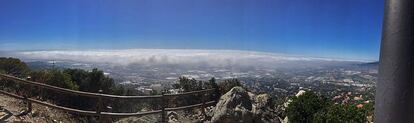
[[241, 106], [234, 107]]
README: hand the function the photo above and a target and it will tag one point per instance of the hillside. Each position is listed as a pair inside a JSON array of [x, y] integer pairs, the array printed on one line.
[[10, 107], [236, 100]]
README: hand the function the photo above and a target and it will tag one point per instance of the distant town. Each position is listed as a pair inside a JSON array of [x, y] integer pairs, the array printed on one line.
[[344, 83]]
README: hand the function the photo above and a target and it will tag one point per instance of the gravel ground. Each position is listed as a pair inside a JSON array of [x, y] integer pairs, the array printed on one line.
[[39, 114]]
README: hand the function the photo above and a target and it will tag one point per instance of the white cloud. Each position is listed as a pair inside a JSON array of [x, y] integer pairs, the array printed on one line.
[[171, 56]]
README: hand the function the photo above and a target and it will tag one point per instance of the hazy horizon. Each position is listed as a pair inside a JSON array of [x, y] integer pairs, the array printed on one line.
[[12, 53], [183, 57], [322, 28]]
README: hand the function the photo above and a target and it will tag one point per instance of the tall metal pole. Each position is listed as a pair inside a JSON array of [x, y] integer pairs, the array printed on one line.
[[394, 101]]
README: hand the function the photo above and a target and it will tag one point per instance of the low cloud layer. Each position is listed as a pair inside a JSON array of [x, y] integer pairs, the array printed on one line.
[[174, 56]]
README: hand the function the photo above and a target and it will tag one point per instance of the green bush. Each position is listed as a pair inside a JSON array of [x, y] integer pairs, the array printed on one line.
[[14, 67], [188, 84], [228, 84], [302, 108], [312, 108], [341, 114], [74, 79]]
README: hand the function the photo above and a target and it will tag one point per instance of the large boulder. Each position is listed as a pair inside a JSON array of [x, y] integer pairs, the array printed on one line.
[[234, 107], [263, 110], [241, 106], [263, 100]]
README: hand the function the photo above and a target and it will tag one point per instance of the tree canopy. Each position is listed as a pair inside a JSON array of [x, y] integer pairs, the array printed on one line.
[[13, 66]]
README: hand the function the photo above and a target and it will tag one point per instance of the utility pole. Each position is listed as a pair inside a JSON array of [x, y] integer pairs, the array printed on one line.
[[394, 101], [53, 64]]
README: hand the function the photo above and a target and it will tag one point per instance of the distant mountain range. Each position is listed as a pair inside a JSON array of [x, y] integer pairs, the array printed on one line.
[[371, 64]]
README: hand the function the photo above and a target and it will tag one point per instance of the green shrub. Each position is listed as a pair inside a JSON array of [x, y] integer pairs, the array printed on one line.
[[343, 114], [228, 84], [13, 66], [301, 109]]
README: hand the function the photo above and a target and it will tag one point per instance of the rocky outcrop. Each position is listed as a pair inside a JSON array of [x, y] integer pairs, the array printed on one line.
[[263, 111], [234, 107], [241, 106]]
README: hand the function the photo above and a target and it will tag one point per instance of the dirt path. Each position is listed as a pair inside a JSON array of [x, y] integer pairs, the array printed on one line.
[[9, 107]]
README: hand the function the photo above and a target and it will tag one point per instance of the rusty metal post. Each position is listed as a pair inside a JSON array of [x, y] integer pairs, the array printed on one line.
[[394, 101]]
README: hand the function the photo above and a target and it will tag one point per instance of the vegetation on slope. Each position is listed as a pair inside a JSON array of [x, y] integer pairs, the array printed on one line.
[[74, 79], [313, 108]]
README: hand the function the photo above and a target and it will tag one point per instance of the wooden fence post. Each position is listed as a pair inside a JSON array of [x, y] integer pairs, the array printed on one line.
[[216, 94], [26, 97], [163, 107], [108, 118], [163, 113], [99, 107], [203, 98], [29, 104]]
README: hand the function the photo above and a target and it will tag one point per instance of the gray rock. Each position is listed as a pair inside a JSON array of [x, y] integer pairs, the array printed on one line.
[[240, 106], [263, 111], [234, 107], [263, 100], [172, 117]]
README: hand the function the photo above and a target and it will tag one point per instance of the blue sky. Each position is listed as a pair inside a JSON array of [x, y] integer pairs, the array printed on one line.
[[326, 28]]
